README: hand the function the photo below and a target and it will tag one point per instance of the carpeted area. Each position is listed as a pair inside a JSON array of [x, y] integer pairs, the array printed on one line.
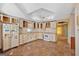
[[41, 48]]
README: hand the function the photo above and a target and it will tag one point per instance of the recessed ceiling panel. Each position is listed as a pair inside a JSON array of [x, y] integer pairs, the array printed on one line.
[[41, 15]]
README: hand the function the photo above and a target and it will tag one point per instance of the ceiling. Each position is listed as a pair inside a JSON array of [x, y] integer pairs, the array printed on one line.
[[31, 10]]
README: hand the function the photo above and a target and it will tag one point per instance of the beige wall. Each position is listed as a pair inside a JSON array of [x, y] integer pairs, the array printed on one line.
[[0, 35], [0, 42], [71, 27]]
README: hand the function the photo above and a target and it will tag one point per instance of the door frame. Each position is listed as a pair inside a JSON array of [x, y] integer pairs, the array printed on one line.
[[67, 30]]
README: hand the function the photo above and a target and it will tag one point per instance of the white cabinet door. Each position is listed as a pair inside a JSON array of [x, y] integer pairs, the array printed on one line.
[[28, 40], [24, 38], [40, 35], [21, 39], [53, 24], [53, 27], [6, 42], [52, 37]]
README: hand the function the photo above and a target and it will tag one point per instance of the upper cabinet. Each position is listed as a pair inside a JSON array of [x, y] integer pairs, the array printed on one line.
[[38, 25], [53, 25], [0, 18], [21, 23], [24, 23], [6, 19], [41, 25], [44, 25], [47, 24], [34, 25], [31, 25], [13, 20]]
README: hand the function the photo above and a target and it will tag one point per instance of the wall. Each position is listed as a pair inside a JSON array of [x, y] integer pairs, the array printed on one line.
[[71, 27], [0, 36], [0, 32]]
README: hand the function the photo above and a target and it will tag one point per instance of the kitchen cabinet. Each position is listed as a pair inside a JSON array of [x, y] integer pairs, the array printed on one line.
[[9, 33]]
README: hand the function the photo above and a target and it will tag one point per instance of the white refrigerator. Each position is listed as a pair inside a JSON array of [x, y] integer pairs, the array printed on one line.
[[14, 35], [6, 38], [10, 36]]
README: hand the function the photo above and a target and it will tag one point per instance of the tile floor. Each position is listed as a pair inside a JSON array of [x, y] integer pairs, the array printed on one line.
[[41, 48]]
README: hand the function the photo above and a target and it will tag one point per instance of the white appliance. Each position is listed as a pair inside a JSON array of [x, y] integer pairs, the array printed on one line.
[[14, 35], [6, 37], [49, 37], [10, 36], [46, 37]]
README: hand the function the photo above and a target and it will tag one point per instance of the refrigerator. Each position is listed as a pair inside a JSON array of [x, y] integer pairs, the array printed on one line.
[[6, 37], [9, 36], [14, 35]]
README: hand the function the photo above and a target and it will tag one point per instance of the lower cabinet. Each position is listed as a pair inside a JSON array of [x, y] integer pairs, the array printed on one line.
[[28, 37], [40, 36], [52, 37], [21, 39]]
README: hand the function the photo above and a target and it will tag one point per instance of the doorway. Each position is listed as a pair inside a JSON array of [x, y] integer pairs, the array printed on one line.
[[62, 31]]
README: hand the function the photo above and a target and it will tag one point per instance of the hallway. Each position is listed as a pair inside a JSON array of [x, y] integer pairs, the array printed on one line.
[[41, 48]]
